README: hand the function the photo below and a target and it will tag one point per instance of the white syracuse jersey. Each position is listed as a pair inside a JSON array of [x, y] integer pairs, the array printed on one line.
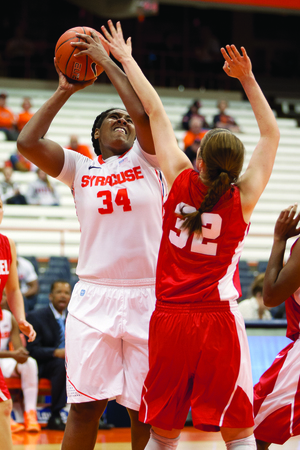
[[119, 205]]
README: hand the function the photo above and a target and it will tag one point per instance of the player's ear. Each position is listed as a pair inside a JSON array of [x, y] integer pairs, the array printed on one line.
[[200, 164], [97, 133]]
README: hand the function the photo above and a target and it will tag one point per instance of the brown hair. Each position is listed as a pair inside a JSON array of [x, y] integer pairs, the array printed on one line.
[[257, 285], [223, 155]]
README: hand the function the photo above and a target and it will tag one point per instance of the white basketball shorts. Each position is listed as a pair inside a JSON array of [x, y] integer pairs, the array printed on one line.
[[107, 342]]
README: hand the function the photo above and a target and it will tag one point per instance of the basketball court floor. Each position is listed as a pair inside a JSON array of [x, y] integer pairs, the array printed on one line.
[[119, 439]]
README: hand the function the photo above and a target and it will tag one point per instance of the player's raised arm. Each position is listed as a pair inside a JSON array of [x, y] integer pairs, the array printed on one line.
[[171, 158], [94, 48], [43, 152], [254, 180], [282, 280]]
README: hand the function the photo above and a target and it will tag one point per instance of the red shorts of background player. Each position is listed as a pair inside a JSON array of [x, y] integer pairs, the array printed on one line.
[[199, 358], [4, 392], [277, 398]]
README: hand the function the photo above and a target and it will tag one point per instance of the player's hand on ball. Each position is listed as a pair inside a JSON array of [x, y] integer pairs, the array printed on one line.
[[66, 85], [93, 47]]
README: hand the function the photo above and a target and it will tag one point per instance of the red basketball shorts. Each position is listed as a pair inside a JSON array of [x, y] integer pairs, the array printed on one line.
[[277, 398], [198, 358]]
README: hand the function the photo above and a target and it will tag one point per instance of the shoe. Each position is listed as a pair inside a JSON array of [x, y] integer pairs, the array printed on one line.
[[30, 421], [55, 423], [15, 427]]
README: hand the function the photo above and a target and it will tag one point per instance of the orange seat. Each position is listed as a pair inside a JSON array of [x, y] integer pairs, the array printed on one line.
[[15, 383]]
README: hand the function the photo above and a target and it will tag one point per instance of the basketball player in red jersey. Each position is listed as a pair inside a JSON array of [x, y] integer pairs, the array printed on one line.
[[10, 282], [198, 349], [277, 394], [119, 202]]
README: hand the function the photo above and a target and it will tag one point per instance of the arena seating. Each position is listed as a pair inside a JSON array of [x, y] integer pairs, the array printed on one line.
[[54, 231]]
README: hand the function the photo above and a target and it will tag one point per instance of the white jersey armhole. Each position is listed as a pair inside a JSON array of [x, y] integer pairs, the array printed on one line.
[[151, 159]]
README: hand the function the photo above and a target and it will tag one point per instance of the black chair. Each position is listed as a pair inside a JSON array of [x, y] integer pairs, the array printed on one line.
[[262, 265], [42, 301]]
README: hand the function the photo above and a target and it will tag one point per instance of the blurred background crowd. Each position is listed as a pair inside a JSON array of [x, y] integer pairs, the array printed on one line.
[[180, 46]]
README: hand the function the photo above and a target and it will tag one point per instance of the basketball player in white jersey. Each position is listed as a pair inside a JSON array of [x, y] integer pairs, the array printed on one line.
[[119, 199]]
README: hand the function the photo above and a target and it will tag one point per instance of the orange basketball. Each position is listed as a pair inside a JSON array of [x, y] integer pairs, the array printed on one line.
[[80, 68]]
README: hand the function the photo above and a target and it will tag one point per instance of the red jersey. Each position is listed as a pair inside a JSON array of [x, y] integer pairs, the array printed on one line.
[[292, 308], [197, 270], [5, 262]]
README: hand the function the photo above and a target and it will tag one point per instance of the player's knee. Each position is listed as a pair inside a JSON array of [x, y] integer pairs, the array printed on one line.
[[261, 445], [30, 367], [247, 443], [88, 410], [6, 408], [134, 416], [32, 363], [160, 442]]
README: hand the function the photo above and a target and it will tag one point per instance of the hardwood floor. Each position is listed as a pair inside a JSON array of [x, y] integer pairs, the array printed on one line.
[[119, 439]]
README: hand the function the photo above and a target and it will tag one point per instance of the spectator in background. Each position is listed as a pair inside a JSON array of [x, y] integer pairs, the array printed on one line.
[[80, 148], [254, 308], [49, 347], [16, 362], [25, 115], [223, 120], [7, 119], [195, 131], [193, 111], [42, 191], [19, 162], [28, 279], [191, 152], [9, 190]]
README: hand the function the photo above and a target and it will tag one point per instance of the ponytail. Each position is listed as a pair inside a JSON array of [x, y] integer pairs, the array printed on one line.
[[223, 155], [192, 221]]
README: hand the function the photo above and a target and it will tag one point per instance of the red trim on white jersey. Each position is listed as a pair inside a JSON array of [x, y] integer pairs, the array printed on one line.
[[119, 208]]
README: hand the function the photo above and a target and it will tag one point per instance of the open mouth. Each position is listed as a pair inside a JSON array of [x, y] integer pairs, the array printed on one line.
[[121, 130]]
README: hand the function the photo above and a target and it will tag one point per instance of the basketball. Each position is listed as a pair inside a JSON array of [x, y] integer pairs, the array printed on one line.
[[80, 68]]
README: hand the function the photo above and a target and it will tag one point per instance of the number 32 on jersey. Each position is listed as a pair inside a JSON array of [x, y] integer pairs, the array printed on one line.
[[211, 229]]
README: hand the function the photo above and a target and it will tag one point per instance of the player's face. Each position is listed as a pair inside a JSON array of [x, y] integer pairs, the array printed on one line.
[[60, 296], [117, 133]]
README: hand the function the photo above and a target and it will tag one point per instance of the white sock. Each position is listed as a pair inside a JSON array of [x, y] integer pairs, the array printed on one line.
[[29, 382], [247, 443], [157, 442]]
